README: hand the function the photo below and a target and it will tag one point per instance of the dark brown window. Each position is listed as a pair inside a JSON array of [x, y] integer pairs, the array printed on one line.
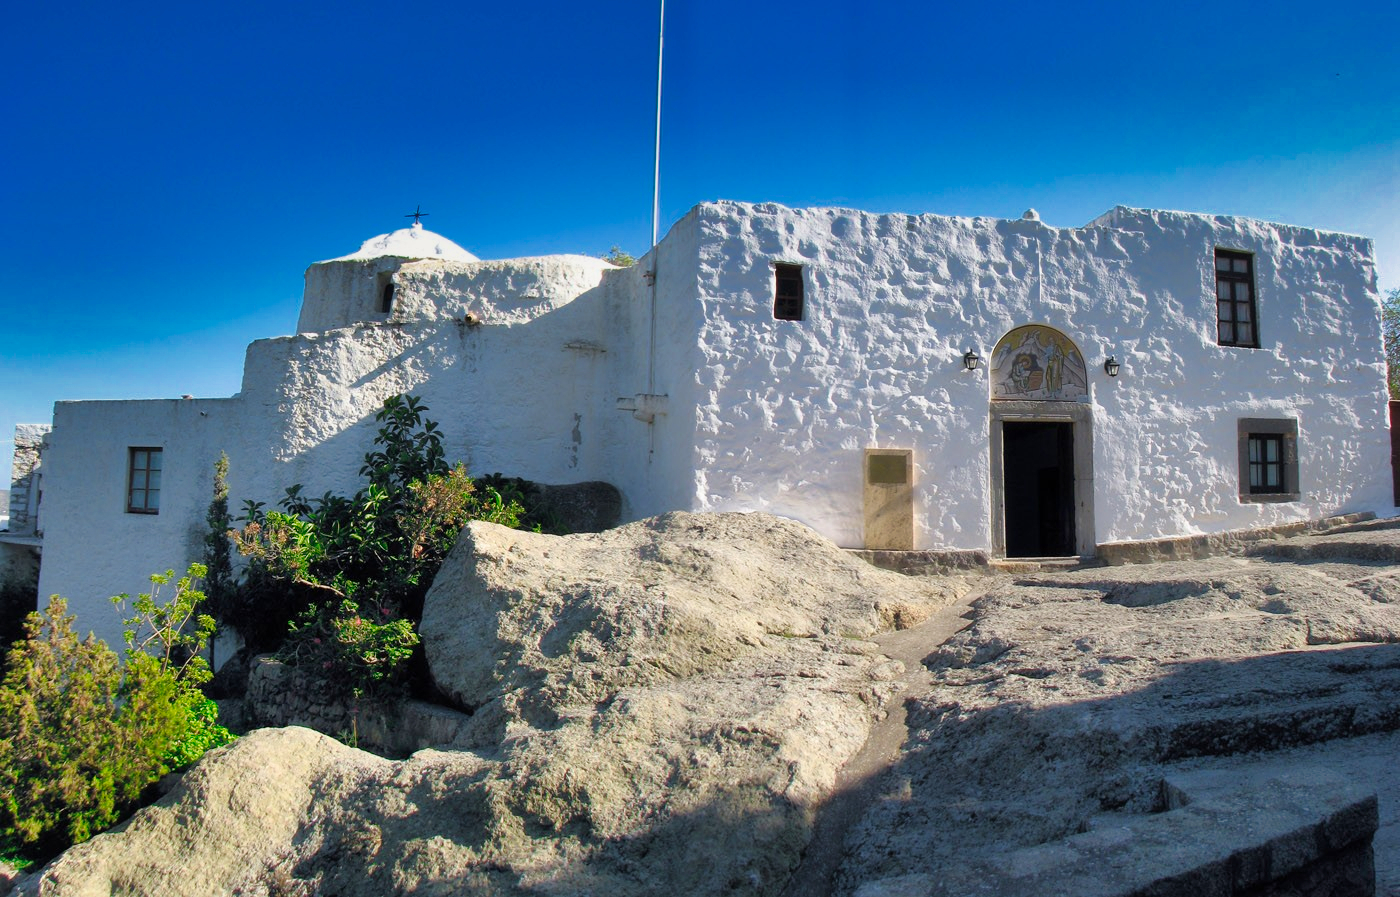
[[1237, 322], [386, 298], [1268, 460], [1265, 463], [788, 294], [143, 481]]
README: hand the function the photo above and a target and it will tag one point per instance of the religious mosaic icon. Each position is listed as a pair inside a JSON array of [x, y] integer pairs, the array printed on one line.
[[1038, 362]]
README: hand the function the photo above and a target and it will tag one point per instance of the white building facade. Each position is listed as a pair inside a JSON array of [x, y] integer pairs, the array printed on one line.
[[894, 381]]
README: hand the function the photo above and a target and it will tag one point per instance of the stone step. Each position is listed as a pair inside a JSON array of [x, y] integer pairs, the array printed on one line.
[[1041, 565]]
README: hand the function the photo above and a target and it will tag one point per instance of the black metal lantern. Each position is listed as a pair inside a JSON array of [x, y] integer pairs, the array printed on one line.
[[971, 360], [1110, 367]]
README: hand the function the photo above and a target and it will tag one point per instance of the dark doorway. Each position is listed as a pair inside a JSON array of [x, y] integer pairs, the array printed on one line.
[[1039, 488]]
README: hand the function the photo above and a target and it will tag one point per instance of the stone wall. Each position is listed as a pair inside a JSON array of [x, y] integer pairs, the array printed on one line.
[[279, 695]]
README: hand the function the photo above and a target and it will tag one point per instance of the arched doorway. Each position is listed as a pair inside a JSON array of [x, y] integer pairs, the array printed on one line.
[[1042, 449]]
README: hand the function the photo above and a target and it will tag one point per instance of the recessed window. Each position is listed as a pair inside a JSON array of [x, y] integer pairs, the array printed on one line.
[[1268, 460], [143, 481], [386, 298], [788, 293], [887, 469], [1236, 321], [1265, 463]]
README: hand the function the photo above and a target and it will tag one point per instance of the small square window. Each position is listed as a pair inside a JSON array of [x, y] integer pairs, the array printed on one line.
[[1268, 460], [789, 296], [143, 481], [1236, 322]]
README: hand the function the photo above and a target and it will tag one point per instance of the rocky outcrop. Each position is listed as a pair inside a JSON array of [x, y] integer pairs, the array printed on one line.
[[656, 709], [1072, 698], [664, 708]]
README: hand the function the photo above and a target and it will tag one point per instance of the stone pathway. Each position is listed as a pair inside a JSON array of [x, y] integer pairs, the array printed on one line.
[[858, 782]]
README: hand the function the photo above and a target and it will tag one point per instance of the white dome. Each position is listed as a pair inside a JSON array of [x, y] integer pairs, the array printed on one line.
[[410, 243]]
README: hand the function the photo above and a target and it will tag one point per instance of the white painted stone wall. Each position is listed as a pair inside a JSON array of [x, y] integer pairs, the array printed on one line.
[[761, 414], [529, 392], [893, 301]]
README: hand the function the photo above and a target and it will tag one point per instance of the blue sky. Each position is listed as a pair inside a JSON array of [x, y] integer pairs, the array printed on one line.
[[171, 169]]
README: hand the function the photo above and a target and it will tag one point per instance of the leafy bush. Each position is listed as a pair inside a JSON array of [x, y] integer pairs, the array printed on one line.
[[347, 575], [81, 735]]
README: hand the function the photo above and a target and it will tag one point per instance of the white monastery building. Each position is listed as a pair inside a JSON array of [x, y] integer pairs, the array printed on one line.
[[893, 381]]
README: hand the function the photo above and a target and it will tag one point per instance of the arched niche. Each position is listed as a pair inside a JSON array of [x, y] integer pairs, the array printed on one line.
[[1036, 362]]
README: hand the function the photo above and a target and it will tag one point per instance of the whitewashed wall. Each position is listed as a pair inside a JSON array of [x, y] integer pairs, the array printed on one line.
[[530, 392], [761, 414], [893, 301]]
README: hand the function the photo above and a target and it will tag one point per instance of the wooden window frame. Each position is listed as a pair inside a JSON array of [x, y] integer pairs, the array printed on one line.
[[1241, 310], [789, 292], [144, 472], [1284, 432]]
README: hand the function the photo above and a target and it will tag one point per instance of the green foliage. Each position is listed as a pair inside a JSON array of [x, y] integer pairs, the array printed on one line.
[[1390, 327], [81, 735], [217, 554], [368, 657], [354, 570], [619, 258]]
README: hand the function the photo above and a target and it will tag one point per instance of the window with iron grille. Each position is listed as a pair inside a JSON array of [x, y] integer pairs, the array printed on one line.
[[788, 293], [143, 481], [1236, 321], [1268, 451]]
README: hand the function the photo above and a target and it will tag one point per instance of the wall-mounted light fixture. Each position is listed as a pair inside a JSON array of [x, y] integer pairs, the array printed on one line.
[[1111, 366], [971, 360]]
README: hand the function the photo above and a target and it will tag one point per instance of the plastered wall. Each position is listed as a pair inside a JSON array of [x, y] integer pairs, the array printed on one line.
[[893, 301], [750, 413]]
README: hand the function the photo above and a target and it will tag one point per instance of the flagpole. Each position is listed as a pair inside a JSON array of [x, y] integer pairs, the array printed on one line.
[[656, 177]]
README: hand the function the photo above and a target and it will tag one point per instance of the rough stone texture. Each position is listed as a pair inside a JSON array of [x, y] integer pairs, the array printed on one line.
[[925, 563], [257, 797], [1072, 696], [1205, 545], [279, 696], [518, 617], [580, 507], [1301, 832], [660, 709]]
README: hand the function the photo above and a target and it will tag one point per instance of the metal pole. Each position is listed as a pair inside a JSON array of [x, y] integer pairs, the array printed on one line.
[[656, 179]]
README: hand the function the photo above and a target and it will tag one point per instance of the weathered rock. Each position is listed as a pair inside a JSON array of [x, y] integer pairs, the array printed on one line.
[[1071, 697], [225, 826], [589, 507], [660, 709], [557, 622]]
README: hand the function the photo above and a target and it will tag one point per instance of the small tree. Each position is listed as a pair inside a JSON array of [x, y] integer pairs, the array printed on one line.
[[218, 561], [619, 258], [1390, 327], [81, 735]]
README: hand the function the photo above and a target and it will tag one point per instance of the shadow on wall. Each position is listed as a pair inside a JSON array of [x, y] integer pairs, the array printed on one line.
[[531, 400]]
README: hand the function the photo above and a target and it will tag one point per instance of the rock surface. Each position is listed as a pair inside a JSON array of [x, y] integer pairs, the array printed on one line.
[[1072, 696], [663, 709], [658, 709]]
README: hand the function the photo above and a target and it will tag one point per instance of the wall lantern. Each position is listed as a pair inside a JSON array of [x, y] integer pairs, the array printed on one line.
[[1110, 367], [971, 360]]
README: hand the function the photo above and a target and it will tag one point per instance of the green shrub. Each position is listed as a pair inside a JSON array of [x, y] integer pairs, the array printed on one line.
[[348, 574], [81, 735]]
